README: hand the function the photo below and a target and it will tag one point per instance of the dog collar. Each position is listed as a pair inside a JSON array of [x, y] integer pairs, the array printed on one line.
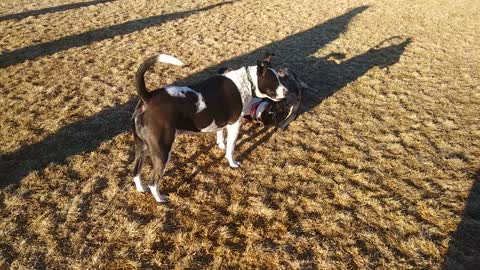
[[253, 111], [258, 108], [252, 85]]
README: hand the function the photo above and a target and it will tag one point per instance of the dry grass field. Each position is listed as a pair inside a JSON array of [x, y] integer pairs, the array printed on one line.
[[381, 170]]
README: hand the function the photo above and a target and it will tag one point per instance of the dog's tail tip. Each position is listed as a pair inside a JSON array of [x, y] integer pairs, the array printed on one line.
[[169, 59]]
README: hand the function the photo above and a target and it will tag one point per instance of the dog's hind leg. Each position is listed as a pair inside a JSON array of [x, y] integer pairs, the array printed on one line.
[[140, 148], [160, 154], [140, 155]]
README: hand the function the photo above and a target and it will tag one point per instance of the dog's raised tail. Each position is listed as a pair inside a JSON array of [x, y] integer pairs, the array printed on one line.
[[139, 76]]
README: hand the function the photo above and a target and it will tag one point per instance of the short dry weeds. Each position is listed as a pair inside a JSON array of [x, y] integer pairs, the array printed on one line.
[[381, 171]]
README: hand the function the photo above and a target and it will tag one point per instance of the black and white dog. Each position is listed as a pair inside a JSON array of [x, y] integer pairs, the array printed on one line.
[[277, 113], [213, 105]]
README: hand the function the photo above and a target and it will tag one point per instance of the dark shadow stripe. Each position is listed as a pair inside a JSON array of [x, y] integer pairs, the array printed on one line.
[[464, 246], [83, 39], [23, 15]]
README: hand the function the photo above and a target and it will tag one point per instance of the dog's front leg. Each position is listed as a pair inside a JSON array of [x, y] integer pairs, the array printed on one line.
[[220, 139], [232, 134]]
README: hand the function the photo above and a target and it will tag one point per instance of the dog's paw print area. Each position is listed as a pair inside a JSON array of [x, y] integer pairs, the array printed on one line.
[[379, 169]]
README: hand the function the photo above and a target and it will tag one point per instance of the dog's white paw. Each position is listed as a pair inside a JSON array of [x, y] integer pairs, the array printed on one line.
[[158, 197], [162, 199], [221, 145], [139, 185], [234, 163], [141, 188]]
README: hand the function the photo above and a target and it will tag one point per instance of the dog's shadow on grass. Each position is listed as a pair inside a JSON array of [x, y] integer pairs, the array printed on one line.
[[464, 246], [326, 75], [294, 51]]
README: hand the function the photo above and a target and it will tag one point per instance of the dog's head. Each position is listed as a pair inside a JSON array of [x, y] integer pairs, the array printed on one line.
[[281, 113], [290, 80], [274, 113], [269, 84]]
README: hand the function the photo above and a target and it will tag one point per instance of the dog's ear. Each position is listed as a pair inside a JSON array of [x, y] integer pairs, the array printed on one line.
[[264, 64], [268, 58], [262, 68], [283, 72]]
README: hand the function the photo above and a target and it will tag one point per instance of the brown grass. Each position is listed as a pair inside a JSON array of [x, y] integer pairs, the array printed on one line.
[[384, 173]]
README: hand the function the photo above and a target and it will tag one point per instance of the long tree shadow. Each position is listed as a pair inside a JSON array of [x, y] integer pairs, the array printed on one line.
[[23, 15], [78, 40], [295, 50], [464, 246]]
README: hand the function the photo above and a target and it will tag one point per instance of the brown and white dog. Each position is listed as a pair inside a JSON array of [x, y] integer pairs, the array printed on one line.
[[212, 105]]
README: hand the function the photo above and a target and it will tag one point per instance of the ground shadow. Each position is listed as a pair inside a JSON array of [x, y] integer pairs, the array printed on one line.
[[253, 133], [294, 51], [328, 76], [23, 15], [78, 40], [464, 246]]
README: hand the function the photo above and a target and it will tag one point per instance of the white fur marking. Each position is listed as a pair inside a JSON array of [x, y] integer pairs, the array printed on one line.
[[281, 89], [220, 139], [240, 79], [139, 185], [211, 128], [168, 59], [232, 134], [177, 91], [159, 198], [181, 92], [201, 105]]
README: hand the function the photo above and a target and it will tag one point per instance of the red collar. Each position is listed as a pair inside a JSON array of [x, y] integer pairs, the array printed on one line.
[[253, 110]]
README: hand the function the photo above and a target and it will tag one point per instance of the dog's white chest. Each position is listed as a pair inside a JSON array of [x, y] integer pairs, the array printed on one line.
[[244, 86]]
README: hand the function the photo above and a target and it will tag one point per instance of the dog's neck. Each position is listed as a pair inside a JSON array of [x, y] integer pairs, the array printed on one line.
[[243, 83], [251, 73]]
